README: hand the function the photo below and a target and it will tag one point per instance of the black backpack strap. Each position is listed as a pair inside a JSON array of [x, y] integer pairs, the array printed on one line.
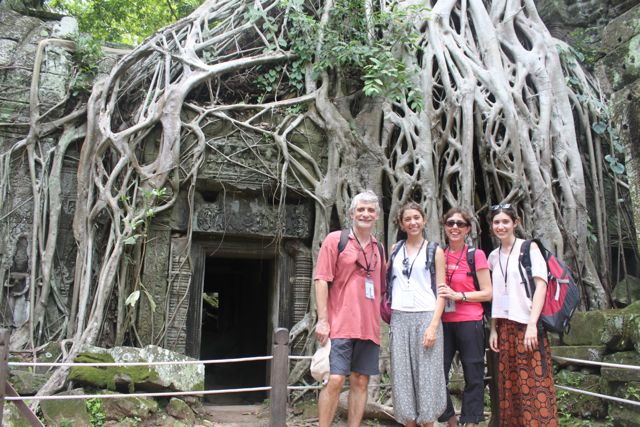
[[471, 261], [344, 239], [430, 264], [390, 275], [380, 249], [524, 262]]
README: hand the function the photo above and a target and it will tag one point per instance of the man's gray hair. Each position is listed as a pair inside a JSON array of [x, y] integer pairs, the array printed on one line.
[[366, 196]]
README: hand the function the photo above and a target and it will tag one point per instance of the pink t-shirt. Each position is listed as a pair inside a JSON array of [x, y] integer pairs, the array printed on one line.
[[351, 313], [457, 269]]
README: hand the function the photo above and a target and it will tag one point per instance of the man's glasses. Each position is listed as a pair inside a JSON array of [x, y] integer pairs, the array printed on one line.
[[459, 224], [500, 206]]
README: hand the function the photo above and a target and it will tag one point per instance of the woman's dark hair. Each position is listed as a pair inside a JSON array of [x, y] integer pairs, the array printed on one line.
[[505, 208], [406, 207], [451, 212]]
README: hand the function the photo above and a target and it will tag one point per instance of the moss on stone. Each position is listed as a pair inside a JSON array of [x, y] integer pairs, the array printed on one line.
[[580, 405], [109, 377], [623, 375]]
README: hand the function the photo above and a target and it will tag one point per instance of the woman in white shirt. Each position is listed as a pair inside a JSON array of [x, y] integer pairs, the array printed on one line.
[[525, 373], [416, 340]]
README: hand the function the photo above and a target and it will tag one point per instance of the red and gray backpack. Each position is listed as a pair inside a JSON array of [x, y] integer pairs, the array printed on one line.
[[563, 295]]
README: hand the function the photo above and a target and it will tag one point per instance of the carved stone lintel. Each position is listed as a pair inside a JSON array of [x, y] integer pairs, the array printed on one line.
[[253, 216]]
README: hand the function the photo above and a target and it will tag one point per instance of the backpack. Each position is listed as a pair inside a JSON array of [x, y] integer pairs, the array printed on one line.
[[563, 295], [429, 265], [471, 261]]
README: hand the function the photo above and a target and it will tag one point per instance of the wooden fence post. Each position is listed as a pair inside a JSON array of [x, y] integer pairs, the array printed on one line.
[[279, 377], [492, 370], [4, 367]]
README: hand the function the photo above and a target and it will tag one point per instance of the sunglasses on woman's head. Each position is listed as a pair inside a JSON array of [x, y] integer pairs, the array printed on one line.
[[459, 224], [500, 206]]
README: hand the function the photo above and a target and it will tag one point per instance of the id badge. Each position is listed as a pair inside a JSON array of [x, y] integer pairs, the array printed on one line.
[[503, 304], [368, 288], [407, 298], [449, 306]]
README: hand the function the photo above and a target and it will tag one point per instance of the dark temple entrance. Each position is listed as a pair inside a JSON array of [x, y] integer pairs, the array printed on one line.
[[235, 310]]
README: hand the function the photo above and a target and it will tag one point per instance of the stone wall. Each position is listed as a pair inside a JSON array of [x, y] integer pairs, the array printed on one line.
[[607, 34], [21, 38], [236, 191], [610, 336]]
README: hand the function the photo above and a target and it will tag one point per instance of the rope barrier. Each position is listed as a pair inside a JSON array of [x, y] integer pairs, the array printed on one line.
[[174, 362], [590, 362], [602, 396], [128, 395]]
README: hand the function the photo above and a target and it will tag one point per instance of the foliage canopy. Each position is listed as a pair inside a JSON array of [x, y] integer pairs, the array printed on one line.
[[124, 21]]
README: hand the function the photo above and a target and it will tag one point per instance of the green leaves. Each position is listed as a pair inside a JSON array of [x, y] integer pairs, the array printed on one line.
[[124, 21], [615, 166]]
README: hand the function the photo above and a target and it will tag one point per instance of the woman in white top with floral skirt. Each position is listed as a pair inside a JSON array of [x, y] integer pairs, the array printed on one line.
[[525, 373]]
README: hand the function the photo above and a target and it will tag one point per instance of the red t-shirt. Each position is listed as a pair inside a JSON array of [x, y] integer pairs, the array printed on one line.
[[460, 281], [351, 313]]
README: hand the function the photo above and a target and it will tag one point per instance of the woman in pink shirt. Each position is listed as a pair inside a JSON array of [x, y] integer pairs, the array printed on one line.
[[462, 320]]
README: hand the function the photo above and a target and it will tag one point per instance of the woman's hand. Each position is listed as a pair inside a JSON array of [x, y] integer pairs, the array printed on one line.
[[429, 337], [445, 291], [493, 340], [531, 337]]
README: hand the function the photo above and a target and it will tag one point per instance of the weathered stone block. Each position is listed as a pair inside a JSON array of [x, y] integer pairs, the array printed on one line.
[[182, 377], [7, 49], [581, 352], [15, 26], [623, 63], [27, 383], [621, 29], [624, 415], [177, 408], [581, 405], [128, 407], [586, 328], [619, 328], [627, 290], [12, 417], [618, 374], [70, 412]]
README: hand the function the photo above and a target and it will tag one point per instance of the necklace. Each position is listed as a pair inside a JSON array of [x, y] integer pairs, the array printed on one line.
[[368, 267], [405, 262], [505, 270], [451, 271]]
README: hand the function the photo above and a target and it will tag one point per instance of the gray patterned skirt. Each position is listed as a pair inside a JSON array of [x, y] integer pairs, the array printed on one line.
[[417, 373]]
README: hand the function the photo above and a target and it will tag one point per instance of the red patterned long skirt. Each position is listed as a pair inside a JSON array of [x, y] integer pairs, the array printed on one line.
[[525, 388]]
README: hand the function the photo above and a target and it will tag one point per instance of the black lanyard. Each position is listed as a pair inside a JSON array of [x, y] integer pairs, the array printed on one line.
[[505, 271], [368, 268], [405, 261], [450, 272]]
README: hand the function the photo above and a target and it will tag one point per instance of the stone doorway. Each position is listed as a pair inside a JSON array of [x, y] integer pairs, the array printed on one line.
[[234, 313], [246, 276]]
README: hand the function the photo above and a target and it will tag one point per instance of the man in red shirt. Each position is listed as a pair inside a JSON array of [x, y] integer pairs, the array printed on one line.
[[348, 288]]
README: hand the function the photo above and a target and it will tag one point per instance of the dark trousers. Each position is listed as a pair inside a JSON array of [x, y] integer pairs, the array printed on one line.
[[468, 339]]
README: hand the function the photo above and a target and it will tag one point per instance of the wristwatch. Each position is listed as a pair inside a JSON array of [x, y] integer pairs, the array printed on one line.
[[464, 297]]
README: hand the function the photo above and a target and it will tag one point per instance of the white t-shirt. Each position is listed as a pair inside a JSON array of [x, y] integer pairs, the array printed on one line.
[[510, 300], [414, 294]]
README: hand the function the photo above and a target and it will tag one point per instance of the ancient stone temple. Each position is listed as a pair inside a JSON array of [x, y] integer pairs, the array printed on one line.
[[250, 265]]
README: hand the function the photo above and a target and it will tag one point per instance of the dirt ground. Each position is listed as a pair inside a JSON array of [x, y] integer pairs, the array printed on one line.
[[258, 416]]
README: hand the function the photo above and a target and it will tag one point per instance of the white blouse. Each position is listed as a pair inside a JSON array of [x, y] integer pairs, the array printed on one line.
[[414, 294], [510, 300]]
